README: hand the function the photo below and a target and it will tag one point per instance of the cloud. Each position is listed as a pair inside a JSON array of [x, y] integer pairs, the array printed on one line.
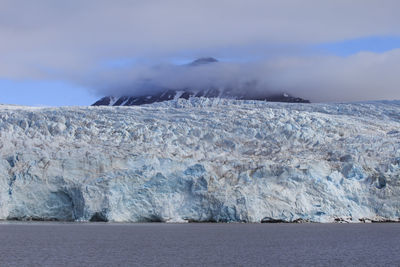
[[364, 76], [68, 35], [69, 40]]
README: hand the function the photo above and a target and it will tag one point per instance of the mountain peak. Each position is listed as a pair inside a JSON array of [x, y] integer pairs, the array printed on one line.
[[203, 60]]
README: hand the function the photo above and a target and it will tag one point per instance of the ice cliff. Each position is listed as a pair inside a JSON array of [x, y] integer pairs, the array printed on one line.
[[201, 160]]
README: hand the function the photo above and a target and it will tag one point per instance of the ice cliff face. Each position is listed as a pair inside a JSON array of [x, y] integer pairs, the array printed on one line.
[[201, 160]]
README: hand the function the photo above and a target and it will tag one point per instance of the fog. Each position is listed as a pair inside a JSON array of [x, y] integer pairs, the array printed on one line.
[[363, 76]]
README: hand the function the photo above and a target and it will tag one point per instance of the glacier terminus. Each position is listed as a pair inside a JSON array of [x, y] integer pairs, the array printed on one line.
[[202, 160]]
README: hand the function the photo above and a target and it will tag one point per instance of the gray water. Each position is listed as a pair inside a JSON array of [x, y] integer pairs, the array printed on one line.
[[55, 244]]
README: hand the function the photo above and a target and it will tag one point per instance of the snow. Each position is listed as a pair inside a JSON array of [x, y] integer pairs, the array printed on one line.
[[113, 100], [178, 94], [202, 160]]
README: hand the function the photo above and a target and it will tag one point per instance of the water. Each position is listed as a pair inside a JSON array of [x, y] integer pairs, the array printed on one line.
[[53, 244]]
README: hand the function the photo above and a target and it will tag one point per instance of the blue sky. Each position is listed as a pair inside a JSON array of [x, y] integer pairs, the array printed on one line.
[[44, 93], [348, 47], [72, 53]]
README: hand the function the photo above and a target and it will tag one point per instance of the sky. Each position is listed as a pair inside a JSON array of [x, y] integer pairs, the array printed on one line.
[[56, 53]]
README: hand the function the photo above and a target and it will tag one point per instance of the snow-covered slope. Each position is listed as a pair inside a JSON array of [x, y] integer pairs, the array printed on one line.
[[167, 95], [201, 160]]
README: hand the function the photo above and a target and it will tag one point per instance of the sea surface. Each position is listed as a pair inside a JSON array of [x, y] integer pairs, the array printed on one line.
[[157, 244]]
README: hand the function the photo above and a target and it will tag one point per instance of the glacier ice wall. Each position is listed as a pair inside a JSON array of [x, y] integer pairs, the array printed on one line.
[[201, 160]]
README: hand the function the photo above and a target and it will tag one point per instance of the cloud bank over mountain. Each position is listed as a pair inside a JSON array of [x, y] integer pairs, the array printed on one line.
[[364, 76]]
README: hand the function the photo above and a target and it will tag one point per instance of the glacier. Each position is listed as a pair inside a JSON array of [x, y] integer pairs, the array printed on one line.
[[202, 160]]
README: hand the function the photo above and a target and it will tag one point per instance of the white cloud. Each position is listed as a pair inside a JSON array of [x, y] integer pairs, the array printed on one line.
[[364, 76]]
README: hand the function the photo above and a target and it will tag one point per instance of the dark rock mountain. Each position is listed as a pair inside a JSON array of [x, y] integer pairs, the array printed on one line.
[[170, 94], [203, 60]]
